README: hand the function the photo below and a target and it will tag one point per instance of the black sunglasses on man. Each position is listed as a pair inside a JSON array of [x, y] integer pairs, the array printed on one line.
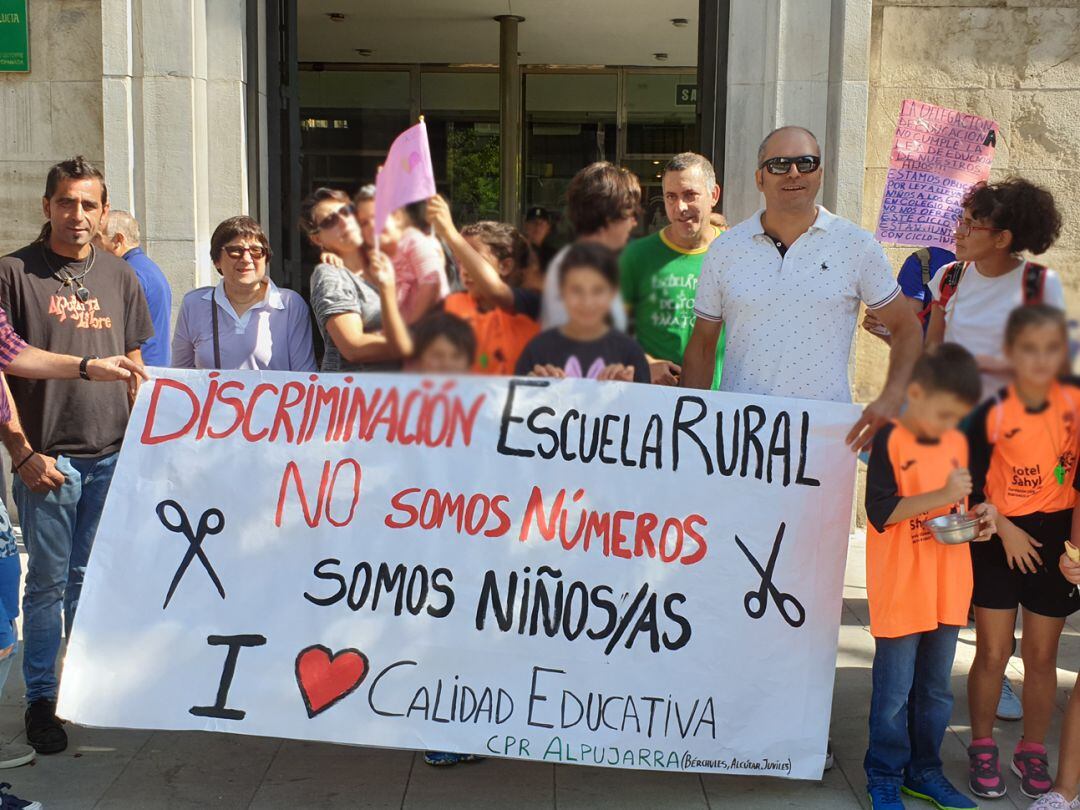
[[806, 164]]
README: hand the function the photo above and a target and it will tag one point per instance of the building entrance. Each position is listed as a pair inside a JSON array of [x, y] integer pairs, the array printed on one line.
[[610, 80]]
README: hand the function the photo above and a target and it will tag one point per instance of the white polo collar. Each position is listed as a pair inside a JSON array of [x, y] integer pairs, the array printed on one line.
[[822, 222], [272, 299]]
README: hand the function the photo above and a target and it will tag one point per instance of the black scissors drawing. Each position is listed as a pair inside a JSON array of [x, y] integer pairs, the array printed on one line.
[[757, 601], [182, 525]]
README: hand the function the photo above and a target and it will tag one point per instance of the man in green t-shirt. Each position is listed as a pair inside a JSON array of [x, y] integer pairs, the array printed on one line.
[[659, 273]]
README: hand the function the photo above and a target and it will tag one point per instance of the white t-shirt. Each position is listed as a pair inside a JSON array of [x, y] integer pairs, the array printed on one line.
[[976, 313], [790, 320], [552, 311]]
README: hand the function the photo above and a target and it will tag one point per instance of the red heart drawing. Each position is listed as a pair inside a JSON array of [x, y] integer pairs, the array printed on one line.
[[325, 677]]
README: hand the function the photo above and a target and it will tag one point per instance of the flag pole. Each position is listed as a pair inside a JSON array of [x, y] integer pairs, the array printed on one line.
[[375, 250]]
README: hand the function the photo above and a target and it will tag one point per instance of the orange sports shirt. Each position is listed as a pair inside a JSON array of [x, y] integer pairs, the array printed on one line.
[[1023, 460], [913, 583], [500, 336]]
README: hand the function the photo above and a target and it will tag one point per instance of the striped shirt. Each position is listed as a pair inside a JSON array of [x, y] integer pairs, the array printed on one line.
[[11, 345]]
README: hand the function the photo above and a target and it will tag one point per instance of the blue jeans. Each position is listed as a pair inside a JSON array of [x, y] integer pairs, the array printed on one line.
[[5, 663], [58, 530], [911, 704]]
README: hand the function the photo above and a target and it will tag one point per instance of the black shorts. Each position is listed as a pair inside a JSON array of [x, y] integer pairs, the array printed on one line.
[[1046, 592]]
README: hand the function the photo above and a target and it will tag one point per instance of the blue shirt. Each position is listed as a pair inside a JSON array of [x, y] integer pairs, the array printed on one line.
[[910, 277], [155, 352]]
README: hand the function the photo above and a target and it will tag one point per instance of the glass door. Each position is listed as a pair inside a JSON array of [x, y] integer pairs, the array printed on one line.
[[636, 118], [570, 121], [461, 110], [660, 121]]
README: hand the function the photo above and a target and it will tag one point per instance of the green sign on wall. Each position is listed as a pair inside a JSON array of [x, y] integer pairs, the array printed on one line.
[[14, 37]]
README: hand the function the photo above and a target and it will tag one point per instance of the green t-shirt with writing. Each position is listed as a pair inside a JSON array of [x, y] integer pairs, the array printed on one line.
[[659, 282]]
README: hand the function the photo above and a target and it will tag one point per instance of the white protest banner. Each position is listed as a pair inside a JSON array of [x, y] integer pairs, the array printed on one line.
[[571, 571], [937, 155]]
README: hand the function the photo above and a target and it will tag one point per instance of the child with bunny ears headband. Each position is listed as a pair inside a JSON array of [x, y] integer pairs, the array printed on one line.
[[586, 346]]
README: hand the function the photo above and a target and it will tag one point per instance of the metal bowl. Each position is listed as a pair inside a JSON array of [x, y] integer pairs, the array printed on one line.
[[954, 529]]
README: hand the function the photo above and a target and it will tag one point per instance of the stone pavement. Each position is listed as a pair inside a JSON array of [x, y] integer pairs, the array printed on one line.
[[137, 769]]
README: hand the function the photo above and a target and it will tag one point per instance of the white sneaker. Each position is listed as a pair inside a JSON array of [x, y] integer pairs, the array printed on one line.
[[13, 755], [1009, 705], [9, 801], [1054, 801]]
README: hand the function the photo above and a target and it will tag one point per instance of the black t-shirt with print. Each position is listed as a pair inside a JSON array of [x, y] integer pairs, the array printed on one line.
[[73, 417], [583, 358]]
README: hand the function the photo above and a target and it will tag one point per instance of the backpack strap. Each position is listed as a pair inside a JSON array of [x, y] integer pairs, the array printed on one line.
[[952, 273], [923, 255], [1034, 283]]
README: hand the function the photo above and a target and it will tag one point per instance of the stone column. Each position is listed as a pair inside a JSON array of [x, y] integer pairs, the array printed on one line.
[[175, 125], [509, 118], [849, 91], [51, 113], [802, 62]]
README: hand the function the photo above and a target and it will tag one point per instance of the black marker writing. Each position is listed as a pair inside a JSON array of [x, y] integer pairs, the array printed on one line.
[[234, 643]]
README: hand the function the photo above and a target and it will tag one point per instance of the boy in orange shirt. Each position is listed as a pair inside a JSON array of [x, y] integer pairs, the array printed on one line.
[[918, 589], [493, 258]]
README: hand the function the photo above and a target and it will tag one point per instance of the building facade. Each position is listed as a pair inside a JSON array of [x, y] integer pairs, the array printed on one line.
[[202, 109]]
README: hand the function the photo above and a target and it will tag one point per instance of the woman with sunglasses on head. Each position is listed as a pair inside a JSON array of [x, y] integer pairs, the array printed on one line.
[[990, 278], [420, 262], [245, 321], [355, 304]]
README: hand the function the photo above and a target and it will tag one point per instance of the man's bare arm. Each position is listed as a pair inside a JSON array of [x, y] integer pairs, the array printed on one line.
[[37, 471], [699, 360], [905, 348]]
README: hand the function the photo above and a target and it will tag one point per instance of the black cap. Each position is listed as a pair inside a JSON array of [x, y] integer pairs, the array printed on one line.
[[538, 212]]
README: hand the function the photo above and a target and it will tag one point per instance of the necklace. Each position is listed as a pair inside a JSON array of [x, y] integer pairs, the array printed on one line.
[[69, 279], [262, 291]]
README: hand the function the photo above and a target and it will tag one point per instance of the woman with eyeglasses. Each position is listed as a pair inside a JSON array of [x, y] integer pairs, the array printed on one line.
[[245, 321], [974, 296], [355, 304]]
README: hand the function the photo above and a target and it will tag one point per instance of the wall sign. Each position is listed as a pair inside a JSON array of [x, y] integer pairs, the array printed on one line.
[[685, 95], [14, 37], [937, 155]]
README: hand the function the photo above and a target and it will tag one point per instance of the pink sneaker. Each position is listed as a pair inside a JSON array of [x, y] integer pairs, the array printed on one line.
[[984, 773], [1034, 772]]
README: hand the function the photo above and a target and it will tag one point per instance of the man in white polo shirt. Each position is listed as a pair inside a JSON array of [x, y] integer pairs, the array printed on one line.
[[787, 282]]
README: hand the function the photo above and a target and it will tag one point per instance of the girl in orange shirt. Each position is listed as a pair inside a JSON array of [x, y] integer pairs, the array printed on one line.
[[1023, 461]]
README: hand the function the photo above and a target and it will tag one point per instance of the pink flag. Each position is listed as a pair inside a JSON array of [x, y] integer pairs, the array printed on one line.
[[406, 176]]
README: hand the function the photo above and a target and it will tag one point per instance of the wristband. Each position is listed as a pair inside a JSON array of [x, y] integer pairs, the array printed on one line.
[[82, 366], [29, 456]]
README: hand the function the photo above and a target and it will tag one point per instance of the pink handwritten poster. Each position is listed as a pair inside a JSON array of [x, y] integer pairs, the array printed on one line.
[[937, 155]]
